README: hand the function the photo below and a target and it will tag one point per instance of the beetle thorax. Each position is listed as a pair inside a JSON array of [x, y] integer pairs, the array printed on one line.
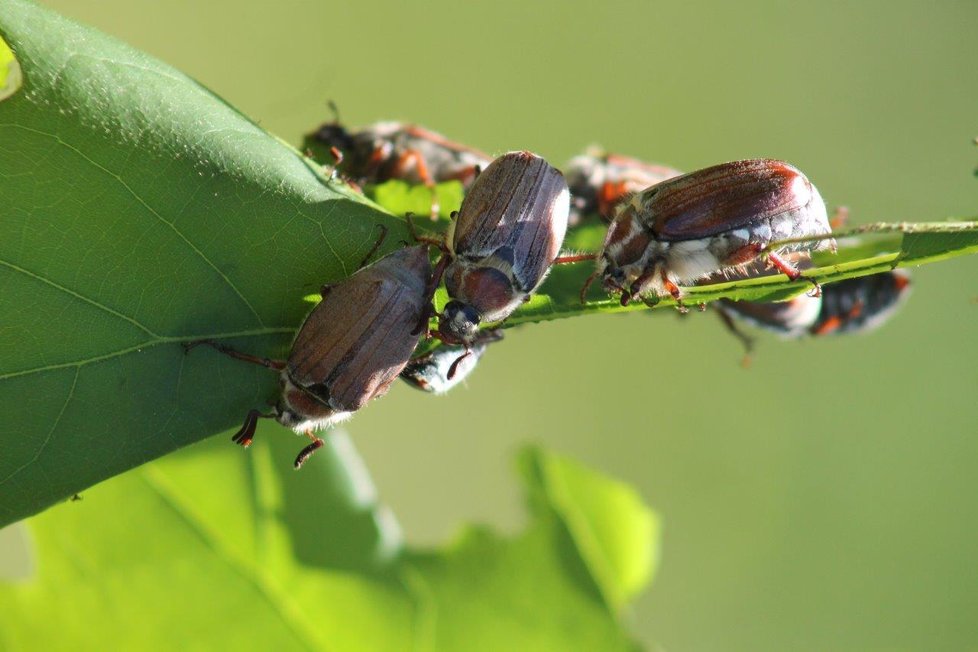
[[488, 287]]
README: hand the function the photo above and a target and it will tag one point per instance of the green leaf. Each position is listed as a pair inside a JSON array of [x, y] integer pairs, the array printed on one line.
[[215, 548], [139, 212], [417, 199], [199, 551], [615, 533], [10, 75]]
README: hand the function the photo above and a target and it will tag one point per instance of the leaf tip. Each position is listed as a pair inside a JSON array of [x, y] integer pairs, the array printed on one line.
[[11, 77], [617, 535]]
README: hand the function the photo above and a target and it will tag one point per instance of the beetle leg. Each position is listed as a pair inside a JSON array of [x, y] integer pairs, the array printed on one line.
[[373, 250], [414, 156], [277, 365], [746, 340], [674, 291], [792, 272], [245, 435], [376, 160], [307, 452], [638, 285], [429, 294], [466, 175], [325, 290], [423, 239], [337, 160], [454, 368], [784, 266], [573, 258], [839, 218]]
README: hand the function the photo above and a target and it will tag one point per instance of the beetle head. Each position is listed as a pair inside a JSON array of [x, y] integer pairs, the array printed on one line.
[[459, 323], [333, 134], [626, 250], [612, 277]]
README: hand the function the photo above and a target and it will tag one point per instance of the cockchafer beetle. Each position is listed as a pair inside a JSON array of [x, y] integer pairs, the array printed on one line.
[[708, 222], [851, 306], [790, 319], [501, 244], [447, 366], [349, 349], [395, 150], [599, 181], [859, 305]]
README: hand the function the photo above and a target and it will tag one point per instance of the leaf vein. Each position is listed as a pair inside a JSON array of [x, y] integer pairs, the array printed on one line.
[[152, 211], [79, 296], [145, 345], [47, 438]]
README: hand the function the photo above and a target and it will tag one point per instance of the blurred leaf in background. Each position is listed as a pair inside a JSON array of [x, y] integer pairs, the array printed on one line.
[[218, 548]]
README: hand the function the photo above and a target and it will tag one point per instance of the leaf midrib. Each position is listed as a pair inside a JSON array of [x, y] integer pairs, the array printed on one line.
[[257, 332]]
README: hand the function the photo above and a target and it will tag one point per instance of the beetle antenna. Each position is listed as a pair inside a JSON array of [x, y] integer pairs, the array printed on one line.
[[334, 110], [277, 365], [373, 250], [587, 286]]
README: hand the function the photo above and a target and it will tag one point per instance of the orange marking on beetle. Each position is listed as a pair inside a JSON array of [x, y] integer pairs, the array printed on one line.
[[610, 195], [828, 326]]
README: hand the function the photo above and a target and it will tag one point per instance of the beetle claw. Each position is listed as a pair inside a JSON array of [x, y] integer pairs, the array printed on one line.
[[816, 291], [246, 434]]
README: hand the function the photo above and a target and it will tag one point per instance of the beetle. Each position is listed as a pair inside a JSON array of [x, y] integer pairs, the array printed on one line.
[[349, 349], [395, 150], [859, 305], [851, 306], [790, 319], [501, 244], [709, 222], [599, 181], [447, 366]]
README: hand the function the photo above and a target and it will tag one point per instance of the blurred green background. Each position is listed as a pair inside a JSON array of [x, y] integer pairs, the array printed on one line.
[[823, 498]]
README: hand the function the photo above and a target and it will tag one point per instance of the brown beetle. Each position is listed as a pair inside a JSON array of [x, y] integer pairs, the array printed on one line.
[[395, 150], [502, 243], [349, 349], [855, 305], [599, 181], [709, 222], [859, 305]]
